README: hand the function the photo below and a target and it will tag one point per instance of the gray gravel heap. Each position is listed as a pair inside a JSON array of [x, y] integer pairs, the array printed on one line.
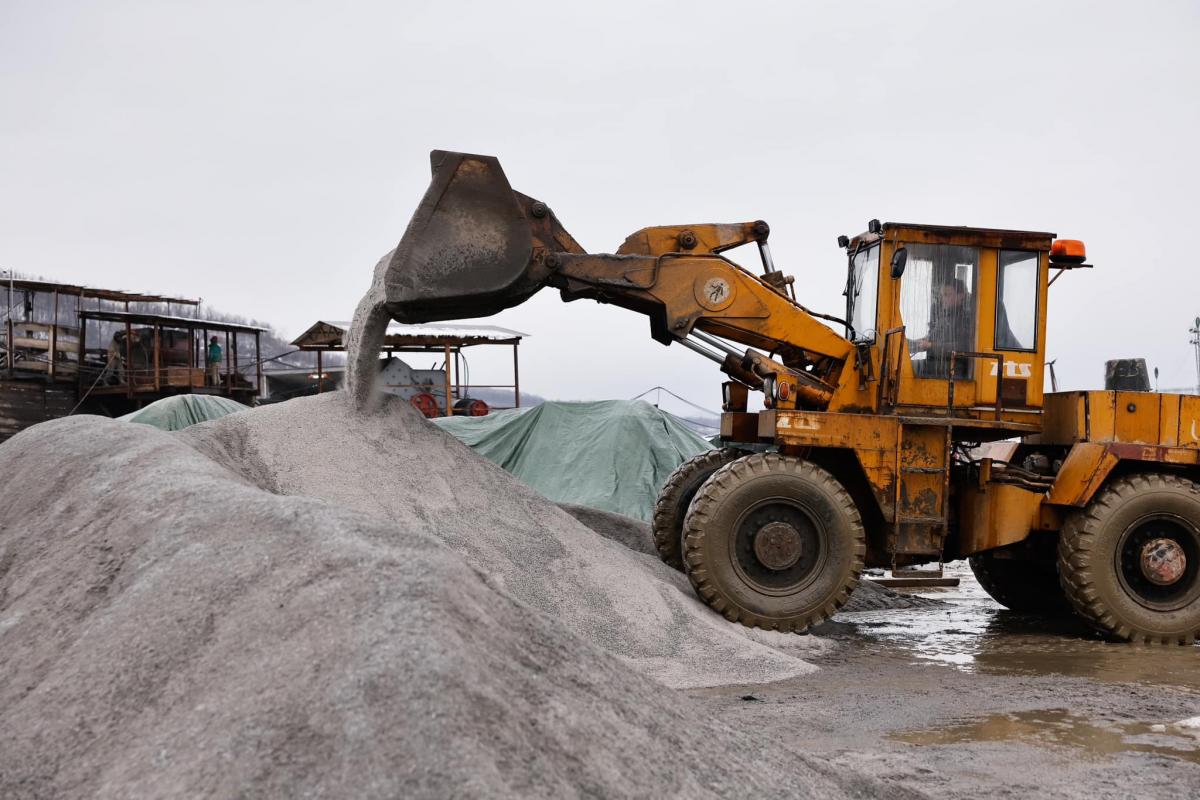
[[392, 464], [177, 624], [632, 533]]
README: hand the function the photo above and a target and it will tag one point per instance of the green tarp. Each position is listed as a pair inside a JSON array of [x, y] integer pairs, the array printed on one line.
[[613, 454], [182, 410]]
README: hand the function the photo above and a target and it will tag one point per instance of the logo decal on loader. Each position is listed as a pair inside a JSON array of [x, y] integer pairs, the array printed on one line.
[[1014, 369]]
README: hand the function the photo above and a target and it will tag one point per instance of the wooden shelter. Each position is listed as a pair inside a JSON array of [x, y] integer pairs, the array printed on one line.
[[449, 341], [174, 361], [57, 353]]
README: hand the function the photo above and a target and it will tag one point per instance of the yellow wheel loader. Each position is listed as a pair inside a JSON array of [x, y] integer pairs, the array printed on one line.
[[918, 434]]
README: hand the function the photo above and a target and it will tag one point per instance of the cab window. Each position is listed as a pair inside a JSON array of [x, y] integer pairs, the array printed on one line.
[[937, 304], [1016, 300], [862, 295]]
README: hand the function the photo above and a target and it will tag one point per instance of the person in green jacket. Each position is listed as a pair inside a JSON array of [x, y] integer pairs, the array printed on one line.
[[214, 362]]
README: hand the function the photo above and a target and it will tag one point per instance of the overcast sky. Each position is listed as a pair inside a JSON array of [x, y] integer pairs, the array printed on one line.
[[263, 155]]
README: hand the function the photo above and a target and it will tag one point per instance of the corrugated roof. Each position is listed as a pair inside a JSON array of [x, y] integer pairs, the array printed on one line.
[[169, 321], [114, 295], [438, 329], [318, 334]]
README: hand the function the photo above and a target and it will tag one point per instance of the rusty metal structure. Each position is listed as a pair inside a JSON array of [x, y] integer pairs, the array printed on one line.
[[66, 348], [920, 432]]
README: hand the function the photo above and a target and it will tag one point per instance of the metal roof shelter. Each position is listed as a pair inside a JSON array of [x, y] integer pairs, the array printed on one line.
[[47, 369], [154, 377], [449, 340]]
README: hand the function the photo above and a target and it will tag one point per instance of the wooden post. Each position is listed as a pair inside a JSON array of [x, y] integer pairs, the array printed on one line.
[[448, 366], [320, 375], [235, 359], [228, 372], [516, 379], [82, 353], [79, 309], [54, 338], [157, 358], [458, 387], [258, 363], [129, 359], [53, 344], [8, 343]]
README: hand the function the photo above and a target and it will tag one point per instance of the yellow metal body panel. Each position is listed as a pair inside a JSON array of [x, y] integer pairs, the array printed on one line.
[[1102, 428], [1136, 418], [922, 477], [904, 465], [1083, 472], [1167, 420], [995, 515], [874, 440], [1188, 425], [705, 238]]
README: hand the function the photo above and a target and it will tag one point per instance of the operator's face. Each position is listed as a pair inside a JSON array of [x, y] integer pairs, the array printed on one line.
[[950, 297]]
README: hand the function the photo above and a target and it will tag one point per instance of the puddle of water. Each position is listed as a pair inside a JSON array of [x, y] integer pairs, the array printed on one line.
[[1058, 727], [976, 634]]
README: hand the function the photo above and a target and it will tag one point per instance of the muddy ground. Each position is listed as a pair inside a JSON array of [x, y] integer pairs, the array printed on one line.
[[972, 700]]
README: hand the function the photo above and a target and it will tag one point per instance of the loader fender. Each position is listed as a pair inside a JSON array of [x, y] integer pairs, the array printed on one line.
[[1084, 471], [1089, 465]]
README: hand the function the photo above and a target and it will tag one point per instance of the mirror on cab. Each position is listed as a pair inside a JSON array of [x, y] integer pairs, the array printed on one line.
[[899, 259]]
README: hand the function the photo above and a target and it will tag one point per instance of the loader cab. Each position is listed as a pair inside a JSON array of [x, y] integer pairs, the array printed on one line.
[[949, 321]]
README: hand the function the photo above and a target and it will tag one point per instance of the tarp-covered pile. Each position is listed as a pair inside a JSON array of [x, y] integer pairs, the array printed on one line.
[[611, 454], [183, 410]]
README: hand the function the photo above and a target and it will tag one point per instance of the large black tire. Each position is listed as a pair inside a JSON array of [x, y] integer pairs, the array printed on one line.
[[773, 542], [1030, 586], [1102, 550], [675, 497]]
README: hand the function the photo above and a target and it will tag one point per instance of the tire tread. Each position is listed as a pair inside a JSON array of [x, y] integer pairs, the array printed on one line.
[[1077, 550], [723, 480]]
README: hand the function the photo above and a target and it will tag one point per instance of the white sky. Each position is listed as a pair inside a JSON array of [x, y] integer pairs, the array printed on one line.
[[263, 155]]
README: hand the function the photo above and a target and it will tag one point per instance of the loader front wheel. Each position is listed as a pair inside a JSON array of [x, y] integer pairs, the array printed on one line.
[[773, 542], [1021, 584], [676, 496], [1130, 561]]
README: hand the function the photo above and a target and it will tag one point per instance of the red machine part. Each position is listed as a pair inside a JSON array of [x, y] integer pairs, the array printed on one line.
[[471, 407], [425, 403]]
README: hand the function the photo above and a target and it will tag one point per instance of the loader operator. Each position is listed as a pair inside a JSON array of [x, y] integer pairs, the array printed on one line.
[[951, 330], [214, 362]]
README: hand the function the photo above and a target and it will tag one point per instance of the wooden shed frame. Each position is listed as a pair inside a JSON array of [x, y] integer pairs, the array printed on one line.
[[162, 322], [446, 340]]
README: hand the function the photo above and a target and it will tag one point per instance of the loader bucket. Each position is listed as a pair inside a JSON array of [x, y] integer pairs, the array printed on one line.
[[467, 250]]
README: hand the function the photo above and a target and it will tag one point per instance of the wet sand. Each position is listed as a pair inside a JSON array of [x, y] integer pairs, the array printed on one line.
[[976, 701]]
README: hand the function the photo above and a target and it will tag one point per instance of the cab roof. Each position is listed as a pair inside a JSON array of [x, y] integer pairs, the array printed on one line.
[[958, 235]]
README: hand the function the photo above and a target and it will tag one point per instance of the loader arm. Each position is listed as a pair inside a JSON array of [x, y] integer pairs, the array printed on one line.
[[475, 247]]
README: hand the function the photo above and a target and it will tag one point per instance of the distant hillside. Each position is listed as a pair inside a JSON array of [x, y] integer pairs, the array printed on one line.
[[498, 398]]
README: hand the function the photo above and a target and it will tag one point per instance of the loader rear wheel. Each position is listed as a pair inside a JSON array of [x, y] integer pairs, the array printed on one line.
[[1130, 560], [1021, 584], [773, 542], [675, 497]]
